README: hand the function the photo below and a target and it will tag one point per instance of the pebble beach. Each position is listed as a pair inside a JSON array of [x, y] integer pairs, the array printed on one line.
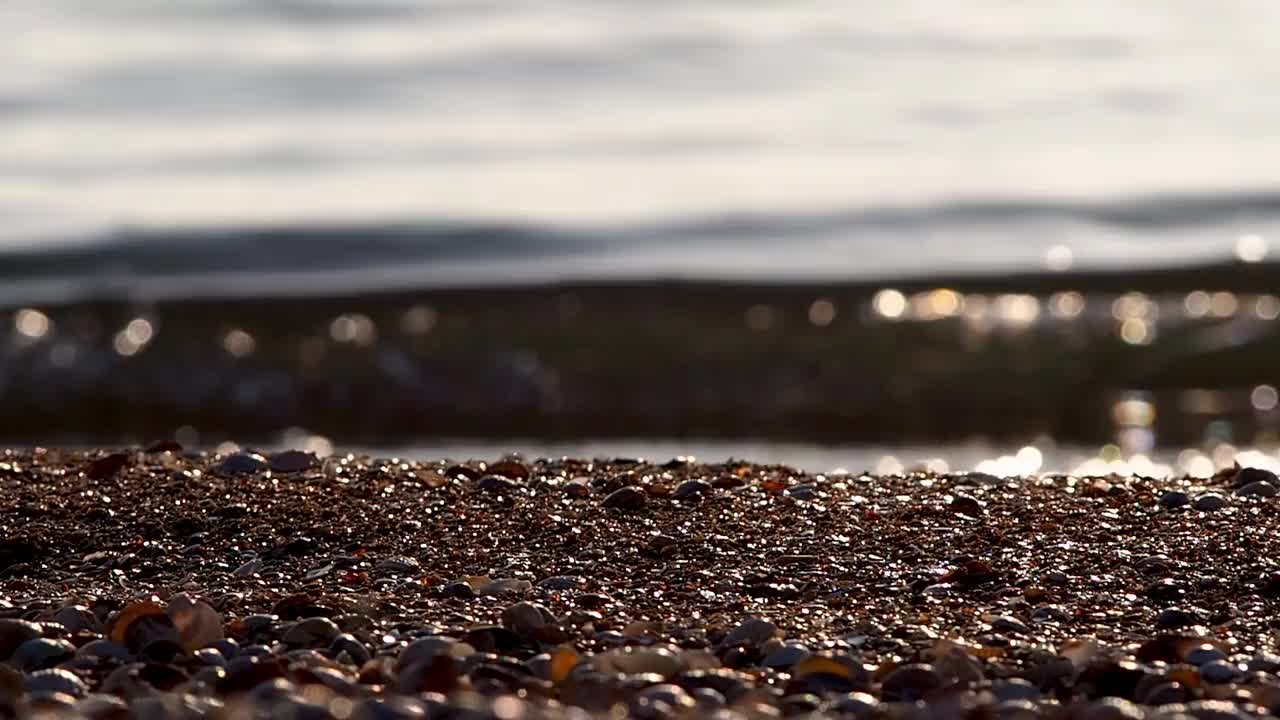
[[157, 583]]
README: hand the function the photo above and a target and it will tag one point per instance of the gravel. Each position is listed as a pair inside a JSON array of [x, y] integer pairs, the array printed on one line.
[[170, 585]]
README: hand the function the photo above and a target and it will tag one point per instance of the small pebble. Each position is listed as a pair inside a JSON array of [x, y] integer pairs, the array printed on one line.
[[1209, 502], [1177, 617], [1015, 689], [398, 566], [14, 632], [292, 461], [1258, 489], [1250, 475], [560, 582], [497, 484], [785, 656], [526, 618], [1204, 654], [691, 490], [42, 653], [57, 681], [460, 590], [242, 464], [753, 631], [1009, 624], [505, 586], [311, 632], [911, 683], [1219, 671], [354, 649], [1051, 613], [625, 498], [801, 492]]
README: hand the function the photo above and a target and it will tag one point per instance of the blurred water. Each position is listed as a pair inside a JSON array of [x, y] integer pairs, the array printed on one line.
[[1043, 457], [704, 138]]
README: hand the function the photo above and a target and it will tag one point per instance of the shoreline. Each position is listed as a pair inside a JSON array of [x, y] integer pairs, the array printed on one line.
[[644, 360], [1226, 274]]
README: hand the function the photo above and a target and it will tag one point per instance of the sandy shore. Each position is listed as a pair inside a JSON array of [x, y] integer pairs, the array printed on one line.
[[361, 587]]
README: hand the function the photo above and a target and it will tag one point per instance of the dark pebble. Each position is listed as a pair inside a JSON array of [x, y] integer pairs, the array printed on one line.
[[356, 650], [1219, 671], [1209, 502], [965, 505], [105, 467], [242, 464], [496, 484], [42, 653], [57, 681], [458, 590], [1250, 475], [14, 632], [625, 498], [690, 490], [1177, 617], [1258, 489], [292, 461], [911, 683]]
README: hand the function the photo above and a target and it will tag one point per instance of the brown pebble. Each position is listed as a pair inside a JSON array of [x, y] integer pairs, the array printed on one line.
[[625, 498]]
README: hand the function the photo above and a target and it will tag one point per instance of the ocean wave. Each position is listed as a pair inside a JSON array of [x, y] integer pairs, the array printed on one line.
[[976, 237]]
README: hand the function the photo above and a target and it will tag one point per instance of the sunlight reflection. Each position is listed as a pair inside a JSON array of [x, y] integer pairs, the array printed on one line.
[[889, 303], [32, 323], [1251, 248]]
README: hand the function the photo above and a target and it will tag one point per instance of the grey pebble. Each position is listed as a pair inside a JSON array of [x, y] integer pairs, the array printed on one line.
[[752, 631], [356, 650], [312, 632], [786, 656]]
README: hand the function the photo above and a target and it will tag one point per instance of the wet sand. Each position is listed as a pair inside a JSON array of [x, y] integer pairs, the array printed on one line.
[[359, 587]]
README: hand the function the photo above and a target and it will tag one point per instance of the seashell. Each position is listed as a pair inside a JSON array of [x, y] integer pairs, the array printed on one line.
[[142, 624], [563, 661]]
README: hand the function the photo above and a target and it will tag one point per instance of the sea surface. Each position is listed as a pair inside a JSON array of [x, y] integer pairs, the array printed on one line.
[[248, 146]]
